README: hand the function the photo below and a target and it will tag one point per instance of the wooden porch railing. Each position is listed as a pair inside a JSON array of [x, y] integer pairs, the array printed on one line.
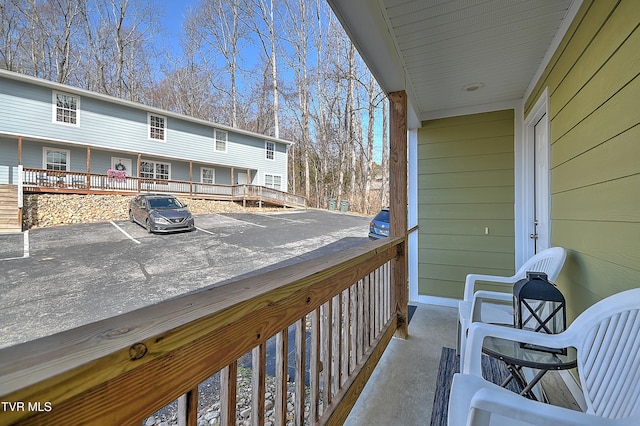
[[41, 180], [121, 370]]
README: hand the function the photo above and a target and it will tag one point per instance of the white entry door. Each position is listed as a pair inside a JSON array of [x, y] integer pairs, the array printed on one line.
[[541, 224], [242, 178], [121, 164], [532, 183]]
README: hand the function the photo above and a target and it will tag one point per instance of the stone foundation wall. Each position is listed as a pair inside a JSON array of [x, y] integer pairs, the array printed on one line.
[[43, 210]]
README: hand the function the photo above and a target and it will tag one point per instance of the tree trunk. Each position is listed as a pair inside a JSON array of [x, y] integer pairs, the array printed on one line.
[[370, 140], [384, 193]]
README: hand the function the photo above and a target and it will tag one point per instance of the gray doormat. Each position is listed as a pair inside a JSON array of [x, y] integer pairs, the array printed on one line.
[[492, 369]]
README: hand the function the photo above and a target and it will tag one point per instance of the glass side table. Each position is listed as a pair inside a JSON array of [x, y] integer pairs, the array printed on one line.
[[516, 357]]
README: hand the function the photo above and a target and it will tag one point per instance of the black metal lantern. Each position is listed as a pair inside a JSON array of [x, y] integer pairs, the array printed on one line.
[[539, 306]]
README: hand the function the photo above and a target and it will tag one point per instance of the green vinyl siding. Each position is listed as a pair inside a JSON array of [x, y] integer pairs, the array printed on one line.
[[594, 82], [465, 185], [603, 162]]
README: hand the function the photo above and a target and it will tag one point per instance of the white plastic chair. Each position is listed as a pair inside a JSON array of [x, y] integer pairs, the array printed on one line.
[[607, 339], [474, 306]]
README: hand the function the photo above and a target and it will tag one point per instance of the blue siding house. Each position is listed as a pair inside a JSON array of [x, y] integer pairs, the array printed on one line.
[[58, 138]]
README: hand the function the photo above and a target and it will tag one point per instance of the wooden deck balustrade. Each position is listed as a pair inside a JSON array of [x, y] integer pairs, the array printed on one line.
[[41, 180], [120, 370]]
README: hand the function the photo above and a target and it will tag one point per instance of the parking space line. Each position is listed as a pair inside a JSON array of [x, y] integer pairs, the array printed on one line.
[[270, 216], [25, 247], [125, 233], [205, 231], [243, 221], [26, 244]]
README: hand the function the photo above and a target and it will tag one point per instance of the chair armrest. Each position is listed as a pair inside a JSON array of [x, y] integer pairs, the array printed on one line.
[[469, 284], [487, 402], [478, 331], [480, 296]]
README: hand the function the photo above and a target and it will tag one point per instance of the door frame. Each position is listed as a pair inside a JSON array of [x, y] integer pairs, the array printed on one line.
[[525, 188]]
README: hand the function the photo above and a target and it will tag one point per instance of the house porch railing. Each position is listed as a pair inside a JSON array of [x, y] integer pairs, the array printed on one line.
[[41, 180], [341, 309]]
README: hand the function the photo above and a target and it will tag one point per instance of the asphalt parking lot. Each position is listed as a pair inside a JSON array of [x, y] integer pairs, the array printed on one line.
[[53, 279]]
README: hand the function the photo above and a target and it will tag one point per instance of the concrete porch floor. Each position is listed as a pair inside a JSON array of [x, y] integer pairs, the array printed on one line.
[[402, 386]]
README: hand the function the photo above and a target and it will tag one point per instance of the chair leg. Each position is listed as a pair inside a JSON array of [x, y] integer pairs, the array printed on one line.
[[462, 341], [459, 342]]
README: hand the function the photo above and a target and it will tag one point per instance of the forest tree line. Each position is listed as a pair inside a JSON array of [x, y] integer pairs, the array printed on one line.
[[283, 68]]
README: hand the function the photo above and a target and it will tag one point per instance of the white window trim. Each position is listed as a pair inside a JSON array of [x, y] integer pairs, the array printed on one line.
[[213, 173], [142, 160], [266, 151], [44, 156], [264, 180], [215, 140], [54, 109], [166, 127]]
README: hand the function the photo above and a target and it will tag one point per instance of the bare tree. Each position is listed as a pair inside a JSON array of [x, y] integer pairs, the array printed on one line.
[[48, 29], [188, 90], [384, 197], [11, 32], [69, 13], [299, 28], [261, 19], [215, 27], [320, 110], [119, 35], [370, 135]]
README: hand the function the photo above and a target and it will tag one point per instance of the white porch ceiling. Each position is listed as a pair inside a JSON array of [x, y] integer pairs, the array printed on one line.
[[436, 49]]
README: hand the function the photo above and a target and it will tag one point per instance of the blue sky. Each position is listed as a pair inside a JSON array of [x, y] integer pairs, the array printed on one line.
[[173, 18]]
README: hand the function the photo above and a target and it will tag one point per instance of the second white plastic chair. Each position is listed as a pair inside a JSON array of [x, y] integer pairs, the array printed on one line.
[[477, 306]]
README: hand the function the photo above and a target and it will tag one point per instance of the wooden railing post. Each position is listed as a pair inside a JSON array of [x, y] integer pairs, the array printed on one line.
[[188, 408], [398, 204], [19, 150], [139, 174], [190, 177], [258, 360], [228, 392], [88, 167]]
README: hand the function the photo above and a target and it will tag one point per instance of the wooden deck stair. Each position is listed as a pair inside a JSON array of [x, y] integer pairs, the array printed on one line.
[[9, 211]]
